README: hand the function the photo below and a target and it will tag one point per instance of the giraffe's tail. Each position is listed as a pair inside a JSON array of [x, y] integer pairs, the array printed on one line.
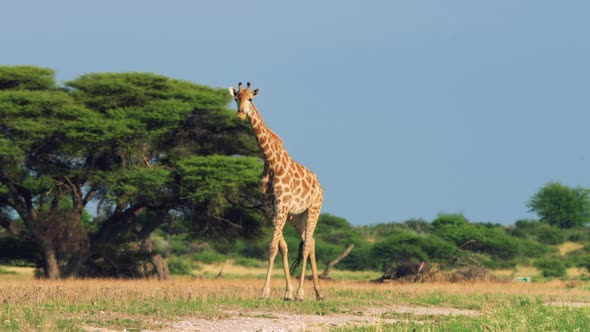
[[297, 261]]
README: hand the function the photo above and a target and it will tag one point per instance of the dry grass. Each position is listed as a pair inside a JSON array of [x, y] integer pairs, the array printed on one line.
[[71, 305], [518, 271], [17, 272], [231, 270], [566, 247]]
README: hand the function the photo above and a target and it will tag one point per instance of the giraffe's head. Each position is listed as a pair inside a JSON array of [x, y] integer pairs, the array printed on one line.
[[243, 98]]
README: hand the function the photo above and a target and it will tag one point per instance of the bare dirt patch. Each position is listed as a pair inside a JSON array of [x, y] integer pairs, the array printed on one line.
[[263, 321], [270, 321]]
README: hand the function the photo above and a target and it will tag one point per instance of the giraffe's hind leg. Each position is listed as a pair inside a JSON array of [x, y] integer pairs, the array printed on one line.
[[314, 273], [298, 221], [284, 254]]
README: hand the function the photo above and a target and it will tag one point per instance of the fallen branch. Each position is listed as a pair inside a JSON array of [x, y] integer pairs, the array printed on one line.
[[337, 260], [219, 275]]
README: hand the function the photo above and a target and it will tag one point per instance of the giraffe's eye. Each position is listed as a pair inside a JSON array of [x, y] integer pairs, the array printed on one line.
[[250, 99]]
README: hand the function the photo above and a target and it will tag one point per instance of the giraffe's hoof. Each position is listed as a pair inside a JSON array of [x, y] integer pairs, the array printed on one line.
[[265, 294], [288, 299], [320, 298], [299, 297]]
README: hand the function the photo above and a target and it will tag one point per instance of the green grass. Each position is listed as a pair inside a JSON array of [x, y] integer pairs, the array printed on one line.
[[5, 271], [517, 314]]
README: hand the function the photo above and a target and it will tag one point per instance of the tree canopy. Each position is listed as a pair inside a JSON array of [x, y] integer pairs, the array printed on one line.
[[135, 149], [562, 206]]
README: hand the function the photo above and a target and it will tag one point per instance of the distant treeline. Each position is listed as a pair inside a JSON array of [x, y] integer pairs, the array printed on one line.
[[450, 240]]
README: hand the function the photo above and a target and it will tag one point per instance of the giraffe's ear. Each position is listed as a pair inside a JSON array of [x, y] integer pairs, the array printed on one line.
[[255, 92], [232, 91]]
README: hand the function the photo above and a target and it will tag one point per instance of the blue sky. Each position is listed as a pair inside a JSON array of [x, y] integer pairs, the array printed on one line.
[[404, 109]]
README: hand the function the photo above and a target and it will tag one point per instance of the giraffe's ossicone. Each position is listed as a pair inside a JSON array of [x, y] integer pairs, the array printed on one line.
[[290, 192]]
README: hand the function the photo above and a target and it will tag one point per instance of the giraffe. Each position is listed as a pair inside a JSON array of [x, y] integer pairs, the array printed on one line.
[[290, 192]]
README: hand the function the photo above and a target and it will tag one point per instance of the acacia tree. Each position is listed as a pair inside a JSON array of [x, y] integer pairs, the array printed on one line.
[[560, 205], [138, 148]]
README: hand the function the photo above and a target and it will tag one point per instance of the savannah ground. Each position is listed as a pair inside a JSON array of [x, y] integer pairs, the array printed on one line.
[[232, 304]]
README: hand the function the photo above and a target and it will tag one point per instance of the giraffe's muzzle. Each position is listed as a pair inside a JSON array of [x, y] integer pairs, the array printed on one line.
[[241, 114]]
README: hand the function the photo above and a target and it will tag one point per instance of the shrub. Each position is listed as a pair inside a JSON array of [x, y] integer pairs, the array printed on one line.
[[530, 249], [161, 246], [551, 267], [491, 239], [179, 243], [454, 219], [578, 234], [409, 246], [252, 249], [551, 235], [579, 258], [180, 265], [250, 262], [538, 231], [209, 256], [360, 258], [420, 226]]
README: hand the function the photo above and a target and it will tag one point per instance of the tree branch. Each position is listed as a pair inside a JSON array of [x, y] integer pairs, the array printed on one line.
[[12, 227], [336, 260], [88, 196], [117, 222], [17, 191]]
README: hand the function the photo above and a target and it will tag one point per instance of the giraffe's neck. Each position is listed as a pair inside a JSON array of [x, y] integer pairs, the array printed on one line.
[[270, 144]]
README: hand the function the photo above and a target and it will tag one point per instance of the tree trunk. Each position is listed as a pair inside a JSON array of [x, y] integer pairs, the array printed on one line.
[[337, 260], [161, 267], [51, 267], [74, 265]]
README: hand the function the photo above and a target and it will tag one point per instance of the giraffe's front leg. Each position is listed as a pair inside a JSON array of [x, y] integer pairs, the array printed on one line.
[[277, 236]]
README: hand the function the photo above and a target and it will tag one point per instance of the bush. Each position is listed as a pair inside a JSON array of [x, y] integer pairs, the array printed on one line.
[[578, 234], [360, 258], [420, 226], [453, 219], [179, 243], [252, 249], [530, 249], [579, 258], [250, 262], [538, 231], [409, 246], [551, 235], [209, 257], [551, 267], [180, 265], [161, 246], [491, 239]]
